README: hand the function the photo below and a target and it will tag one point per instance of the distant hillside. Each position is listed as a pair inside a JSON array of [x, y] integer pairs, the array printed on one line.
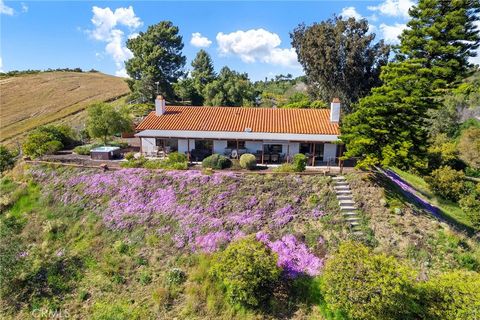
[[28, 101]]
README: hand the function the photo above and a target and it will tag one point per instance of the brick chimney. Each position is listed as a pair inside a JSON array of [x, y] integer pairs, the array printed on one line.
[[159, 105], [335, 110]]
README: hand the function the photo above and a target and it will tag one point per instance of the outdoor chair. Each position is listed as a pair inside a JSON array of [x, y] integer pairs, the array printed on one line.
[[274, 158]]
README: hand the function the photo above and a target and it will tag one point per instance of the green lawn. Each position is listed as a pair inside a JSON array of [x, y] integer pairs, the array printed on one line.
[[449, 208]]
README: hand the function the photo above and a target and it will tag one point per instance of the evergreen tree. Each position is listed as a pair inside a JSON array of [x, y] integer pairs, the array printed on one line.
[[230, 89], [388, 127], [203, 72], [340, 57], [157, 57], [443, 33]]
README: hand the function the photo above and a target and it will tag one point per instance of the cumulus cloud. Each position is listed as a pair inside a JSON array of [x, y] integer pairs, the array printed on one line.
[[24, 7], [107, 25], [393, 8], [200, 41], [1, 64], [256, 45], [391, 32], [351, 12], [4, 9]]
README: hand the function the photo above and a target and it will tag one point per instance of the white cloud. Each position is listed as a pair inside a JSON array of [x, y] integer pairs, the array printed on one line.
[[391, 32], [4, 9], [256, 45], [1, 64], [350, 12], [107, 24], [393, 8], [199, 41], [24, 7]]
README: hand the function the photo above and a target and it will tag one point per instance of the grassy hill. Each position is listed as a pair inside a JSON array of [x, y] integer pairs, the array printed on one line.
[[28, 101]]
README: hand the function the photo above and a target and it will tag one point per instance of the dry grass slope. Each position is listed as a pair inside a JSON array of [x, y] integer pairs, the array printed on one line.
[[29, 101]]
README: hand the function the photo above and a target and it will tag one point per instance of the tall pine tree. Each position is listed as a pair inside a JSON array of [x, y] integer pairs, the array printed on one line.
[[444, 33], [388, 126], [157, 58], [202, 72]]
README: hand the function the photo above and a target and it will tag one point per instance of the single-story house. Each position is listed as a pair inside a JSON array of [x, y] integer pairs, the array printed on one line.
[[274, 135]]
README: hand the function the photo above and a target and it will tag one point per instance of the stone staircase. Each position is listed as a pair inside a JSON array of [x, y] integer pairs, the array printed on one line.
[[347, 205]]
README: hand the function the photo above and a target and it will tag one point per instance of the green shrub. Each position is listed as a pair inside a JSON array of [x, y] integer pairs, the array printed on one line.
[[129, 156], [299, 162], [248, 270], [470, 204], [248, 161], [134, 163], [48, 140], [175, 276], [176, 157], [285, 167], [216, 161], [7, 159], [447, 183], [452, 295], [85, 149], [369, 286]]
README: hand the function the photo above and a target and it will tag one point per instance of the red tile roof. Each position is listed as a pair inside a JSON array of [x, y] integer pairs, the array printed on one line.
[[237, 119]]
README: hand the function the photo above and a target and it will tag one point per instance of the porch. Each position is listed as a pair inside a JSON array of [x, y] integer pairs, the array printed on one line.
[[266, 151]]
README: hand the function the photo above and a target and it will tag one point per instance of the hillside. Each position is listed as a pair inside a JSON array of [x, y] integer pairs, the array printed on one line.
[[94, 244], [28, 101]]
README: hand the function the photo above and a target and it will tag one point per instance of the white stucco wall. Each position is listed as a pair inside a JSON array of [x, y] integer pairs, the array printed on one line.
[[148, 145], [329, 152], [294, 148], [183, 145], [219, 146]]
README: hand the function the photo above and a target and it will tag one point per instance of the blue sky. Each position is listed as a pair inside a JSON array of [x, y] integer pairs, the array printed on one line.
[[247, 36]]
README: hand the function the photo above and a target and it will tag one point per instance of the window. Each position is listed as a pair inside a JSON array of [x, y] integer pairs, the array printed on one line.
[[305, 148], [272, 148], [204, 145], [232, 144], [171, 144]]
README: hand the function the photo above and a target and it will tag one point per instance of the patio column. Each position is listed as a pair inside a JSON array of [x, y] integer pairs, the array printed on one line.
[[288, 152], [313, 157], [237, 149], [263, 151], [188, 150]]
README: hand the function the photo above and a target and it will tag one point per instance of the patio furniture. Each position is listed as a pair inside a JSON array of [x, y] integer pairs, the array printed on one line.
[[274, 157], [266, 157], [227, 152]]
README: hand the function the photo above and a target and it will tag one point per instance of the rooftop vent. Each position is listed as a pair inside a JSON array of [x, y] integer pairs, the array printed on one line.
[[248, 129]]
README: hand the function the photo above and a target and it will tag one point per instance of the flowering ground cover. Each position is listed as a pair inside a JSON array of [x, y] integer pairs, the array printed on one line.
[[196, 212]]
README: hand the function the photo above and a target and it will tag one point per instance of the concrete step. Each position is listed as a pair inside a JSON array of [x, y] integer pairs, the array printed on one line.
[[352, 219], [341, 187], [341, 183], [349, 214], [346, 202], [344, 197], [338, 192], [338, 178], [348, 208], [354, 223], [358, 233]]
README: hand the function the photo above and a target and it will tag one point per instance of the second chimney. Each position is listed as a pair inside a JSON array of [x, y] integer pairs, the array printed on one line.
[[335, 110], [159, 105]]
